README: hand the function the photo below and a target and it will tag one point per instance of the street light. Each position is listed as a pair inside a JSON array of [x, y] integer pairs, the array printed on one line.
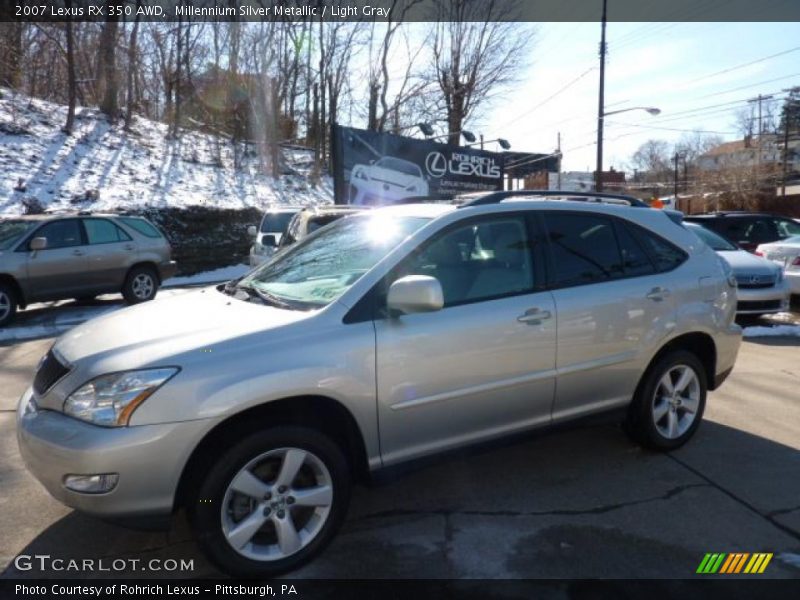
[[427, 131], [599, 175]]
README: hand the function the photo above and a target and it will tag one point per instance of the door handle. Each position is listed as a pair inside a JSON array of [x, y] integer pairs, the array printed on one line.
[[78, 252], [534, 316], [658, 294], [129, 248]]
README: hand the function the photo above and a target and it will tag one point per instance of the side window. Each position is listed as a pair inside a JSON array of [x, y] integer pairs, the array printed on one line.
[[583, 247], [787, 228], [760, 231], [478, 261], [101, 231], [635, 261], [141, 226], [665, 256], [61, 234]]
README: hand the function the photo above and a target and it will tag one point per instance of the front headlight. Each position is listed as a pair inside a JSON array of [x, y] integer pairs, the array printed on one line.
[[109, 400], [361, 175]]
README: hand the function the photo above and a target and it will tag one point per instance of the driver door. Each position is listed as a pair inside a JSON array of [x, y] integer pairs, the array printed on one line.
[[58, 271], [482, 366]]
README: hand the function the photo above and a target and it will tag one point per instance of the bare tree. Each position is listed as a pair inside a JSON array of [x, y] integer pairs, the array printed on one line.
[[72, 84], [652, 158], [108, 64], [132, 69], [11, 53], [475, 54]]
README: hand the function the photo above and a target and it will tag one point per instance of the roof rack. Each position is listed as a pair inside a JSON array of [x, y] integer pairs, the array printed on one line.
[[496, 197]]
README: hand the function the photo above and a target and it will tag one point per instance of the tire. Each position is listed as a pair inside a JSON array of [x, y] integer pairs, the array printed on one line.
[[663, 422], [256, 463], [141, 285], [8, 304]]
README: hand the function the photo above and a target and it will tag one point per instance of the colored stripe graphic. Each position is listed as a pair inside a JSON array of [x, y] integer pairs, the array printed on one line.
[[734, 563], [711, 563]]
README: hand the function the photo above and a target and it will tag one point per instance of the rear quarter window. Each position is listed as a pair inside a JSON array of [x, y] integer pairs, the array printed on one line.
[[142, 226], [664, 255]]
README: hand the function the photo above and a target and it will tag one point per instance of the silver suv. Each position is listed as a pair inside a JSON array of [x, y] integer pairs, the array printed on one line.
[[53, 257], [383, 337]]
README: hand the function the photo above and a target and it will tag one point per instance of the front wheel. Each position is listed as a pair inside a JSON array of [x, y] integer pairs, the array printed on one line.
[[272, 502], [669, 403]]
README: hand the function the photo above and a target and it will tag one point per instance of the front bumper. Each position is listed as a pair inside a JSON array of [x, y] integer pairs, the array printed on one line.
[[759, 301], [148, 458]]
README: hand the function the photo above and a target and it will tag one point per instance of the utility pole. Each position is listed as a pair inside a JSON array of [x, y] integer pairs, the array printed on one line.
[[677, 156], [759, 99], [786, 118], [601, 101], [558, 176]]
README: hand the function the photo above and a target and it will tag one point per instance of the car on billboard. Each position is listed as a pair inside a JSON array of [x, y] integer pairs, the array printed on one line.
[[386, 180]]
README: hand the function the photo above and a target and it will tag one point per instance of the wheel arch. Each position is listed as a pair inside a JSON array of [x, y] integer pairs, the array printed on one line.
[[321, 413], [144, 263], [698, 343], [12, 281]]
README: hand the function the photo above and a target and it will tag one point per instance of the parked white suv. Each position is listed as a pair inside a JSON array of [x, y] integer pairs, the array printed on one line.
[[383, 337]]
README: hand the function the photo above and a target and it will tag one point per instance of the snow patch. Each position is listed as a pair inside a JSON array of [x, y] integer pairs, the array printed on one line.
[[100, 167], [776, 331], [215, 276]]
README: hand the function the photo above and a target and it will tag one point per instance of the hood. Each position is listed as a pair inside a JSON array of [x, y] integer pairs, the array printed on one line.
[[744, 263], [153, 331]]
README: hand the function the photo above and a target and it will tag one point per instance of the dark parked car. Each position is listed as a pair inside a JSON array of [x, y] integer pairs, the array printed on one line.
[[748, 229]]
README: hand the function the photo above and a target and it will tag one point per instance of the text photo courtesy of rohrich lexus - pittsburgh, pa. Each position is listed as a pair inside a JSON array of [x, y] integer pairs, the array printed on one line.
[[419, 298]]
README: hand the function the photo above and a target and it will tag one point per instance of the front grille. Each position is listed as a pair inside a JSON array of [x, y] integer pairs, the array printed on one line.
[[759, 305], [50, 371], [750, 282]]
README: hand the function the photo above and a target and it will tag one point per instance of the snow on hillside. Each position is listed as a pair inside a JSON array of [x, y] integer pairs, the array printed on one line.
[[100, 167]]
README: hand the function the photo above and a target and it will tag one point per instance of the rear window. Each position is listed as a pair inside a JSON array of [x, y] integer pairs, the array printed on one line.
[[141, 226], [276, 222]]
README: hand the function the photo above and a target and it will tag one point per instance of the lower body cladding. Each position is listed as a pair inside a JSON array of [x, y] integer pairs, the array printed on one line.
[[142, 483], [760, 301]]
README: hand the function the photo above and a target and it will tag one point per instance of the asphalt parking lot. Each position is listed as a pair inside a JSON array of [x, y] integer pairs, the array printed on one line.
[[578, 502]]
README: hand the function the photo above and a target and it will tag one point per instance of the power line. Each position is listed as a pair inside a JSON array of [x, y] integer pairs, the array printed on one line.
[[670, 128], [744, 87], [747, 64]]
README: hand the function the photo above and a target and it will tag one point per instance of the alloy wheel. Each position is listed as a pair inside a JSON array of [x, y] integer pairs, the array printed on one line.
[[143, 286], [277, 504], [5, 305], [676, 401]]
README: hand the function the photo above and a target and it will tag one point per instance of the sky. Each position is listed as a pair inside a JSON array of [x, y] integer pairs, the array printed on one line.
[[676, 67]]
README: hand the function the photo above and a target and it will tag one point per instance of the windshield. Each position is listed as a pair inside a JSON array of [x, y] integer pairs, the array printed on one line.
[[716, 242], [324, 265], [276, 222], [396, 164], [11, 231]]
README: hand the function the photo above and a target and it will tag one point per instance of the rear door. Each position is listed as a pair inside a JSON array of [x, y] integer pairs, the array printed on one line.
[[58, 271], [484, 364], [612, 307], [109, 253]]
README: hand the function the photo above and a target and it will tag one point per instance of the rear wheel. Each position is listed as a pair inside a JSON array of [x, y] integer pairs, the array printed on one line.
[[8, 304], [272, 502], [141, 285], [669, 403]]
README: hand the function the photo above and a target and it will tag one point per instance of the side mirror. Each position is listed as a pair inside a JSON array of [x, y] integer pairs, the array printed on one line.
[[415, 294], [38, 243], [252, 231], [269, 240]]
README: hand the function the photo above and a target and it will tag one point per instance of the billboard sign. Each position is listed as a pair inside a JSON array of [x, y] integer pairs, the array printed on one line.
[[371, 168]]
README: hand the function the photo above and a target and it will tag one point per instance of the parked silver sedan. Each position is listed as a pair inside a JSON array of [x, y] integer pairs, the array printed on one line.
[[762, 287], [378, 339], [786, 254]]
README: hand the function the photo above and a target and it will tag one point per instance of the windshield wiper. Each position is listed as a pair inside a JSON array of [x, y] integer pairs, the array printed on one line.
[[264, 296]]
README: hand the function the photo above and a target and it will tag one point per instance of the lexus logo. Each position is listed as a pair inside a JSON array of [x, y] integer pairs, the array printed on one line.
[[755, 279], [436, 164]]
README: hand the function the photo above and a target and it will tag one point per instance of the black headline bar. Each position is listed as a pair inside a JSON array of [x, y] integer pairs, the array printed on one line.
[[400, 10]]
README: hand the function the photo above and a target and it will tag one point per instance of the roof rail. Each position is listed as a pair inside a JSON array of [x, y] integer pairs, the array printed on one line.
[[496, 197]]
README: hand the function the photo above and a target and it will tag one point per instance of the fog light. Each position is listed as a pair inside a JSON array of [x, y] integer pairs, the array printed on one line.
[[91, 484]]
